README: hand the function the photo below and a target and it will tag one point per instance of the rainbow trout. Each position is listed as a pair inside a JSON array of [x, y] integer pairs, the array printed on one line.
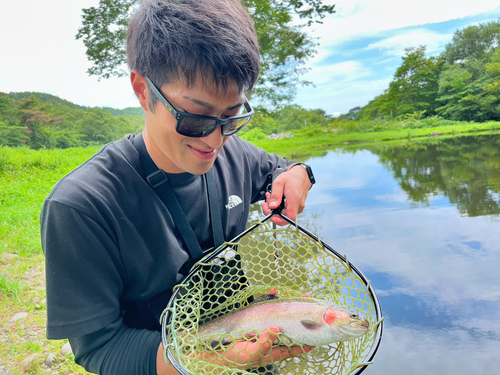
[[302, 320]]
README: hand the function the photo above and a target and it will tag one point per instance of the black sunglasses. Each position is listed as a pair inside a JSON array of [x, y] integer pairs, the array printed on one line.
[[197, 126]]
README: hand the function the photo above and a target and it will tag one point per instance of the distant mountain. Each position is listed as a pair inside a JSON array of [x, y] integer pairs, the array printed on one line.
[[46, 98], [136, 111], [53, 99]]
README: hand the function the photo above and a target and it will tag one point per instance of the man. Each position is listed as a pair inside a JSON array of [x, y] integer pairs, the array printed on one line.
[[114, 245]]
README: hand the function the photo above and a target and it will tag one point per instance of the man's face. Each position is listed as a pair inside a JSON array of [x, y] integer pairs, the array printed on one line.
[[175, 153]]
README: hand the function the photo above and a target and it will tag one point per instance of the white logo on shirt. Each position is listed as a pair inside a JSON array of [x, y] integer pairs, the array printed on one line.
[[234, 200]]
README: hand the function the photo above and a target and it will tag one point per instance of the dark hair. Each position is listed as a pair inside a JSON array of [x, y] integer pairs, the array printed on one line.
[[215, 40]]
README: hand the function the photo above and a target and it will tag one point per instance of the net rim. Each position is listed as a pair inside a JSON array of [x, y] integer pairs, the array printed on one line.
[[164, 319]]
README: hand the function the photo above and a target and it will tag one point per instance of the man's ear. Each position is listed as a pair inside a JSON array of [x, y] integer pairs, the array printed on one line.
[[140, 86]]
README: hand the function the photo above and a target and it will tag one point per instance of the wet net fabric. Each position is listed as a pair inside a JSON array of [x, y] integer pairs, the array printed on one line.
[[292, 262]]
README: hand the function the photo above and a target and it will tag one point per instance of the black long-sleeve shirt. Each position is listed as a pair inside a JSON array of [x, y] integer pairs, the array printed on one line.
[[108, 237]]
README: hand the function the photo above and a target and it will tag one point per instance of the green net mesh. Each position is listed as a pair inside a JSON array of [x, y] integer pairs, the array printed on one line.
[[292, 262]]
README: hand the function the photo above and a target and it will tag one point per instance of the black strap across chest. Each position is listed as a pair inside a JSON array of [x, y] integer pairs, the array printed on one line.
[[158, 180], [145, 314]]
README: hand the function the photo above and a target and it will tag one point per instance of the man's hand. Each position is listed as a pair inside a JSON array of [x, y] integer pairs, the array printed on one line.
[[242, 354], [293, 185], [162, 367], [254, 353]]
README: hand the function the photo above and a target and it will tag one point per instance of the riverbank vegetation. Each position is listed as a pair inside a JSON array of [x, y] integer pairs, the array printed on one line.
[[303, 143], [38, 120]]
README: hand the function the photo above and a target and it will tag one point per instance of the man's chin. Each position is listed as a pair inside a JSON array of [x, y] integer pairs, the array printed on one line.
[[201, 168]]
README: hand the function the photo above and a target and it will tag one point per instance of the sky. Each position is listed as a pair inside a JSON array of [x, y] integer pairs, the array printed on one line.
[[360, 48]]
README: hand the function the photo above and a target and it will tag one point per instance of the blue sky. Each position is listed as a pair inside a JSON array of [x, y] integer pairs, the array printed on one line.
[[360, 47], [362, 44]]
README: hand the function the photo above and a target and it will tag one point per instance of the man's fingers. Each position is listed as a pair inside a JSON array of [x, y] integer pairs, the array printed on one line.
[[279, 353], [291, 208], [265, 343], [261, 350], [292, 352], [266, 340], [276, 193], [266, 210]]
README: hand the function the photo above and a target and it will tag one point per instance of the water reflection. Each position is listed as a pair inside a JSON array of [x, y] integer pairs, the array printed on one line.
[[466, 170], [422, 222]]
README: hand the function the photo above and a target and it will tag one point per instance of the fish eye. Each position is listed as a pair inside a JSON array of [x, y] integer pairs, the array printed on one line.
[[353, 315]]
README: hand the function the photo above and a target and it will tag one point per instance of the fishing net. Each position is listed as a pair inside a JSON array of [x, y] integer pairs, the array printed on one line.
[[291, 261]]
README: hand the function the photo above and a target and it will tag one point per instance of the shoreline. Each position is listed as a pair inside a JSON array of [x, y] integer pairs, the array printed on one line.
[[303, 146]]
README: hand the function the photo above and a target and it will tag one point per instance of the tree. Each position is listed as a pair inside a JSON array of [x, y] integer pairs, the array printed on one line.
[[98, 127], [415, 84], [373, 109], [473, 42], [455, 84], [413, 90], [34, 121], [471, 90], [351, 115], [293, 117], [490, 103], [284, 45], [11, 130]]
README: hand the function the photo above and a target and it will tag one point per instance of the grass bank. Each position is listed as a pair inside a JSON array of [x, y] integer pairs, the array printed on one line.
[[26, 178], [315, 141]]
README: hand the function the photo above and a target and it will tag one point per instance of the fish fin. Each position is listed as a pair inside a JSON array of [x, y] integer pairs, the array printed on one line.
[[215, 344], [309, 324], [250, 335], [285, 341], [226, 340], [266, 297]]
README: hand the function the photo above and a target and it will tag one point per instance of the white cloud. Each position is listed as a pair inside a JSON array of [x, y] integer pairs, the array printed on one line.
[[354, 20], [345, 72], [451, 277], [393, 197], [396, 45], [368, 17], [435, 351]]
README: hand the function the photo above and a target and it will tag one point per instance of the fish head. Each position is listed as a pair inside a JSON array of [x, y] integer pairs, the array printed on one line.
[[346, 322]]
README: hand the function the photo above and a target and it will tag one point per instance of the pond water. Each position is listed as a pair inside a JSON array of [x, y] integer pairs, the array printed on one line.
[[422, 221]]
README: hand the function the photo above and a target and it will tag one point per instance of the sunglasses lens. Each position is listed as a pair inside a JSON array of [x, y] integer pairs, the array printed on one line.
[[235, 125], [196, 127], [193, 127]]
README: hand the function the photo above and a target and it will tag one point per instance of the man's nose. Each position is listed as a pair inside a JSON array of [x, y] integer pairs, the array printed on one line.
[[214, 139]]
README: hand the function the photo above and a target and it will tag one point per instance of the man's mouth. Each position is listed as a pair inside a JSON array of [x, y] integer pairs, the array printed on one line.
[[204, 154]]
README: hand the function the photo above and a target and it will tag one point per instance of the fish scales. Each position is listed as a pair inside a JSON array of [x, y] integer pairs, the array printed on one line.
[[304, 321]]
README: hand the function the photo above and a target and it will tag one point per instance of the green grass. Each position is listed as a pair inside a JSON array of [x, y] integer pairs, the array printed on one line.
[[26, 178], [10, 287]]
